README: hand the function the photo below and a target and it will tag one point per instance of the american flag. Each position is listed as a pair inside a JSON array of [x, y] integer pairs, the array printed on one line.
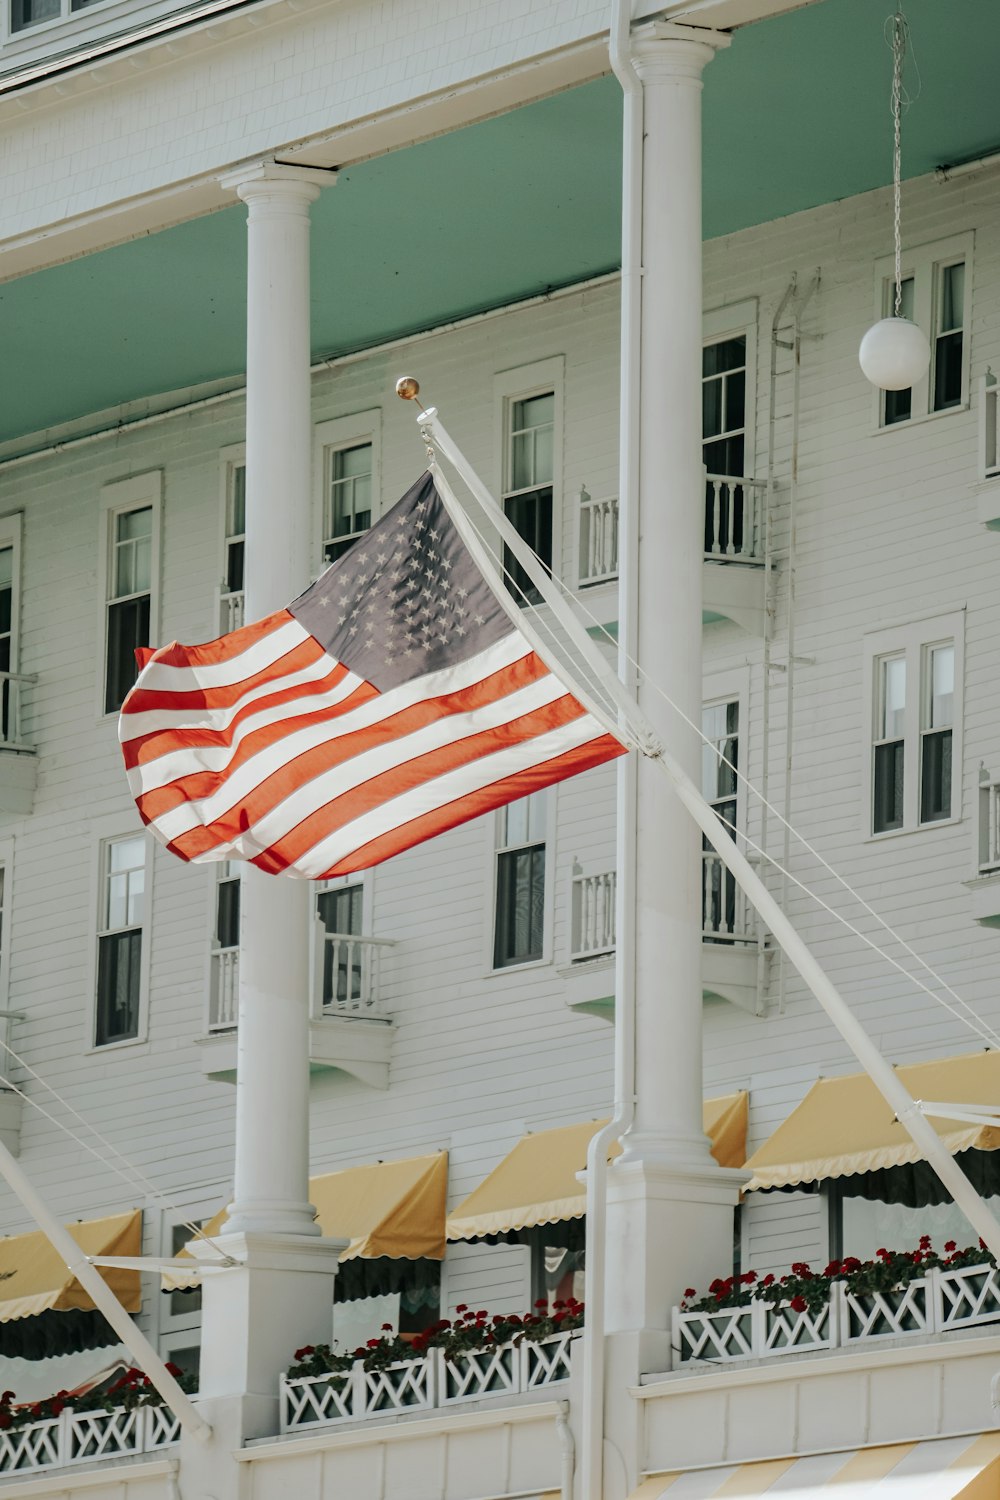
[[395, 699]]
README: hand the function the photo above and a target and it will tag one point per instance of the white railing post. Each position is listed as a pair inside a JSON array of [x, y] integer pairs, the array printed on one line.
[[733, 503], [224, 994], [593, 914], [598, 539]]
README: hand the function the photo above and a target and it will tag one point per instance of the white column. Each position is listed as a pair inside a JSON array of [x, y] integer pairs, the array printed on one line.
[[272, 1088], [670, 1206], [278, 1294]]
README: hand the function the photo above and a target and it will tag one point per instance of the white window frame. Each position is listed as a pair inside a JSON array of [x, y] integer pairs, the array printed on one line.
[[330, 438], [111, 832], [923, 263], [493, 827], [520, 383], [178, 1330], [732, 321], [912, 640], [989, 428], [230, 459], [117, 498]]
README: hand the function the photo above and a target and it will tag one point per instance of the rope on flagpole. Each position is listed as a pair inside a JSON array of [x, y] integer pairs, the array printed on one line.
[[881, 1073]]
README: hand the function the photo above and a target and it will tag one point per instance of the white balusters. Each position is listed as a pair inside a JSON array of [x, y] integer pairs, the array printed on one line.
[[734, 517], [348, 974], [598, 539], [224, 994], [989, 826], [726, 914], [593, 915], [230, 612]]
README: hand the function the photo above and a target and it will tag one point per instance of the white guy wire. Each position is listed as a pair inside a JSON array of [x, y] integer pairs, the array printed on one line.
[[971, 1018]]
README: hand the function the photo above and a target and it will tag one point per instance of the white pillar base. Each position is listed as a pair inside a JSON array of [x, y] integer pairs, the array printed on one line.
[[257, 1313], [668, 1227]]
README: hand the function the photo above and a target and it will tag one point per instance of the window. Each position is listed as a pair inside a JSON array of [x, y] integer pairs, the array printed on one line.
[[119, 939], [723, 405], [935, 290], [341, 911], [27, 13], [519, 924], [233, 544], [10, 589], [349, 499], [224, 981], [915, 684], [227, 904], [347, 459], [733, 522], [131, 569], [720, 724], [527, 500]]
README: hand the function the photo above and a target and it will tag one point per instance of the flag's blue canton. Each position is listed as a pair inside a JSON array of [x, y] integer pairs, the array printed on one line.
[[406, 599]]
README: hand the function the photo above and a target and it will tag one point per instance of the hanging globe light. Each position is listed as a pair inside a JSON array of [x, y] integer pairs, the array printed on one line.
[[895, 353]]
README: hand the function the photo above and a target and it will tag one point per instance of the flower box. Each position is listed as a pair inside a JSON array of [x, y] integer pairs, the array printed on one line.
[[546, 1361], [317, 1398], [493, 1371], [401, 1386], [885, 1315], [720, 1336], [966, 1298], [785, 1330]]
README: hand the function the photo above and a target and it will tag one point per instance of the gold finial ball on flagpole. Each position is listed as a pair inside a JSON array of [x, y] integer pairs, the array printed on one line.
[[407, 388]]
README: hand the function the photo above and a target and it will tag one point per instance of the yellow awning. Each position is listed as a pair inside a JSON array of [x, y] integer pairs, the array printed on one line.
[[34, 1278], [843, 1125], [941, 1469], [536, 1183], [393, 1208]]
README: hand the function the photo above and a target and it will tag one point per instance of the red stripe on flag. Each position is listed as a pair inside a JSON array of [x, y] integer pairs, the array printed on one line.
[[417, 772], [225, 647], [152, 700], [157, 742], [297, 773], [595, 752]]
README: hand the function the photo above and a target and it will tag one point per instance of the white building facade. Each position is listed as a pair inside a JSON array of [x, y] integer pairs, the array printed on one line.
[[462, 996]]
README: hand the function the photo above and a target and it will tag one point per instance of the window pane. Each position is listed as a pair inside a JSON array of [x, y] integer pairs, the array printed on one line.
[[888, 802], [234, 567], [520, 906], [940, 707], [350, 463], [128, 627], [127, 854], [935, 776], [25, 13], [531, 517], [897, 406], [736, 393], [227, 913], [118, 987], [711, 408], [515, 818], [947, 371], [869, 1224], [893, 671], [531, 442], [952, 298], [726, 354], [238, 502], [6, 566], [720, 724]]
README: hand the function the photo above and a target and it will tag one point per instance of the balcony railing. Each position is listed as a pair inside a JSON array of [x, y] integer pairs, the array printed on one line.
[[734, 519], [593, 915], [86, 1436], [12, 685], [230, 612], [726, 914], [989, 825], [224, 990], [347, 974], [598, 539], [940, 1302], [429, 1381]]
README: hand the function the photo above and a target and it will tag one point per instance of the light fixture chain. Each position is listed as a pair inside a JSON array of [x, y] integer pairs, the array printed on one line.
[[899, 30]]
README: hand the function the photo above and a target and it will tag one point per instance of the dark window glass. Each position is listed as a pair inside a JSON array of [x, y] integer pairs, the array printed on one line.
[[128, 627], [531, 516], [341, 913], [948, 371], [24, 13], [888, 809], [119, 958], [227, 912], [520, 906], [898, 406], [234, 567], [935, 776]]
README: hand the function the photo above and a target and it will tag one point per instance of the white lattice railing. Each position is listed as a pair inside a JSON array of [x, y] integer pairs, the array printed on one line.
[[940, 1302], [734, 519], [593, 915], [224, 990], [598, 539], [347, 974], [81, 1437], [726, 913], [989, 826], [430, 1381]]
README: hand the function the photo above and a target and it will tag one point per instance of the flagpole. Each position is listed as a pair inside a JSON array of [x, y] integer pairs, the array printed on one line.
[[904, 1108]]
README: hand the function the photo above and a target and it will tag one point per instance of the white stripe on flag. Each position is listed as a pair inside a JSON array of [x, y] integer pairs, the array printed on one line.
[[161, 677], [376, 761], [454, 785]]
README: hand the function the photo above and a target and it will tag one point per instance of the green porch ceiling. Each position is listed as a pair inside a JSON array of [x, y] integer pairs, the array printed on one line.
[[796, 114]]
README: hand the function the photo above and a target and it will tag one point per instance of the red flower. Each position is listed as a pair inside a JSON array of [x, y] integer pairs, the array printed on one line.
[[5, 1419], [374, 1343], [689, 1291], [949, 1246], [748, 1278], [387, 1328], [799, 1268], [173, 1369], [798, 1304], [982, 1243], [462, 1307], [541, 1302], [833, 1269], [768, 1280], [851, 1263]]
